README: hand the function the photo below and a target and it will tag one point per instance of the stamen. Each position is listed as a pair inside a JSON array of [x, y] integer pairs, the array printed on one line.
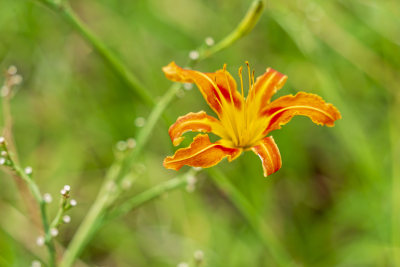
[[244, 102], [229, 86], [252, 77], [249, 71], [230, 120]]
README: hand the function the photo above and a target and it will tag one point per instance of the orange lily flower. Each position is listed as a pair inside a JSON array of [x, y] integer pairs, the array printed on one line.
[[243, 123]]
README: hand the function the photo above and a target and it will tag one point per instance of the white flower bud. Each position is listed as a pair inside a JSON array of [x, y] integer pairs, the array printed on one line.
[[183, 264], [12, 70], [28, 170], [73, 202], [36, 263], [54, 232], [140, 121], [66, 219], [2, 161], [47, 198], [67, 188], [3, 153], [16, 79], [40, 241], [2, 140], [188, 86], [121, 145], [198, 255], [131, 143], [209, 41], [193, 55]]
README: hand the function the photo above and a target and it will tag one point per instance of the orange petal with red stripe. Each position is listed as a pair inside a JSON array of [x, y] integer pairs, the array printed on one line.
[[196, 122], [201, 153], [282, 110], [266, 86], [269, 154], [218, 88]]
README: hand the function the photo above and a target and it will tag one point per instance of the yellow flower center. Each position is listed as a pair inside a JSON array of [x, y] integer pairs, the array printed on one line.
[[243, 125]]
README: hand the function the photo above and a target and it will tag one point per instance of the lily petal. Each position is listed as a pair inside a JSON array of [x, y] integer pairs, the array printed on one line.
[[218, 88], [282, 110], [196, 122], [269, 154], [266, 86], [201, 153]]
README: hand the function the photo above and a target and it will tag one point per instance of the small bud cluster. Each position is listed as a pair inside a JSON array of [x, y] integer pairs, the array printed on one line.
[[198, 257], [12, 79], [66, 203], [126, 145], [5, 158]]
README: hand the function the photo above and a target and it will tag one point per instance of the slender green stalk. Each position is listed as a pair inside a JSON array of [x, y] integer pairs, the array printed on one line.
[[264, 232], [244, 27], [42, 205], [395, 220], [114, 62], [95, 215], [150, 194]]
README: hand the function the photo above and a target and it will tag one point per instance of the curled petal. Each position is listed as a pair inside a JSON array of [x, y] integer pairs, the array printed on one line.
[[218, 88], [266, 86], [201, 153], [196, 122], [282, 110], [269, 154]]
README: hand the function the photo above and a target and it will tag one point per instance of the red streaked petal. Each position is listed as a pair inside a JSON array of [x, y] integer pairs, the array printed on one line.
[[266, 86], [196, 122], [201, 153], [282, 110], [217, 88], [269, 154]]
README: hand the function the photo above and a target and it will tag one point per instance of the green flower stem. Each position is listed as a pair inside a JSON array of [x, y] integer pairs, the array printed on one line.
[[395, 212], [150, 194], [255, 221], [42, 204], [95, 216], [244, 27], [114, 62]]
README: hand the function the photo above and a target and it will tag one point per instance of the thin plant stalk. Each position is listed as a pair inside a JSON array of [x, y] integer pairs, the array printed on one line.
[[43, 213], [113, 61], [264, 232], [155, 192]]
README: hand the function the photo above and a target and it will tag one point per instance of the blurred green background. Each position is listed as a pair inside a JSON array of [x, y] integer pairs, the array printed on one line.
[[333, 203]]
